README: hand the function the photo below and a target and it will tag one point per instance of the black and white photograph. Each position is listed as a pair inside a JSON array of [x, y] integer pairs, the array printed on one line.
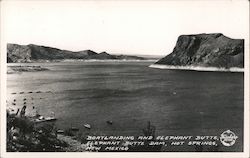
[[125, 77]]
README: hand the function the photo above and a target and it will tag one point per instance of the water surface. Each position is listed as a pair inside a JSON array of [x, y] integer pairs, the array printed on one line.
[[130, 94]]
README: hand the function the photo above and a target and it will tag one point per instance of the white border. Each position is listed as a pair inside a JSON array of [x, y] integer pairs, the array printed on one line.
[[4, 154]]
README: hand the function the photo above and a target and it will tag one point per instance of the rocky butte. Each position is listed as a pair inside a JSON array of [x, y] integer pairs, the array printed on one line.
[[206, 52]]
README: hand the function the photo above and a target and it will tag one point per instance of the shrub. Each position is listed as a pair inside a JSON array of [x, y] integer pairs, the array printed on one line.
[[24, 135]]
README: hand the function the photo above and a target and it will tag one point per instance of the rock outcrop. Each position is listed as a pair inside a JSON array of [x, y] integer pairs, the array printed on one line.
[[31, 52], [206, 50]]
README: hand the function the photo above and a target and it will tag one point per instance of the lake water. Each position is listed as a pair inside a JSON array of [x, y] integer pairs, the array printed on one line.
[[130, 94]]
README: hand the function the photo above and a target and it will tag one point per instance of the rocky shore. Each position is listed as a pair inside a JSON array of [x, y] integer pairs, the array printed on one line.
[[24, 134]]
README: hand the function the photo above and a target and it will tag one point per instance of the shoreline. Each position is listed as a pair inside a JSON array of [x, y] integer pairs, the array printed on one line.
[[85, 60], [197, 68], [109, 60], [24, 68]]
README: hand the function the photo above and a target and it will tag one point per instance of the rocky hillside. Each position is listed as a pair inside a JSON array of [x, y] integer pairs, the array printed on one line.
[[206, 50], [29, 53]]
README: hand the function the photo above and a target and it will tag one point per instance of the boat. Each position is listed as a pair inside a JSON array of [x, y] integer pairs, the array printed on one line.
[[87, 126], [74, 128], [109, 122], [45, 119], [60, 131]]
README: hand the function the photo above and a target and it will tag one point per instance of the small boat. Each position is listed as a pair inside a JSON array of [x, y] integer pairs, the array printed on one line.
[[45, 119], [74, 128], [109, 122], [87, 126], [60, 131]]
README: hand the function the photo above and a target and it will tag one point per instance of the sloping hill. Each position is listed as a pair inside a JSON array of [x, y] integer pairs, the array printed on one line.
[[31, 52]]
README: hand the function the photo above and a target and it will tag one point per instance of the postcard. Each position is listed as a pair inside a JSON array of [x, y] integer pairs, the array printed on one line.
[[124, 78]]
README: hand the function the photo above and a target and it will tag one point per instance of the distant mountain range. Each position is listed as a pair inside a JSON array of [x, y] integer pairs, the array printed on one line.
[[29, 53], [206, 50]]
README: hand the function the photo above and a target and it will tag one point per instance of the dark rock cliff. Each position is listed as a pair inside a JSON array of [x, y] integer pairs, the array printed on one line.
[[208, 50], [29, 53]]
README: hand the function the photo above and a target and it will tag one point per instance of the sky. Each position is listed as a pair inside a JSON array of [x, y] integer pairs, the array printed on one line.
[[141, 27]]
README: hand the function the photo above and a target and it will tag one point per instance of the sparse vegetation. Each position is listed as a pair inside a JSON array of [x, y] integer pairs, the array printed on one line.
[[24, 135]]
